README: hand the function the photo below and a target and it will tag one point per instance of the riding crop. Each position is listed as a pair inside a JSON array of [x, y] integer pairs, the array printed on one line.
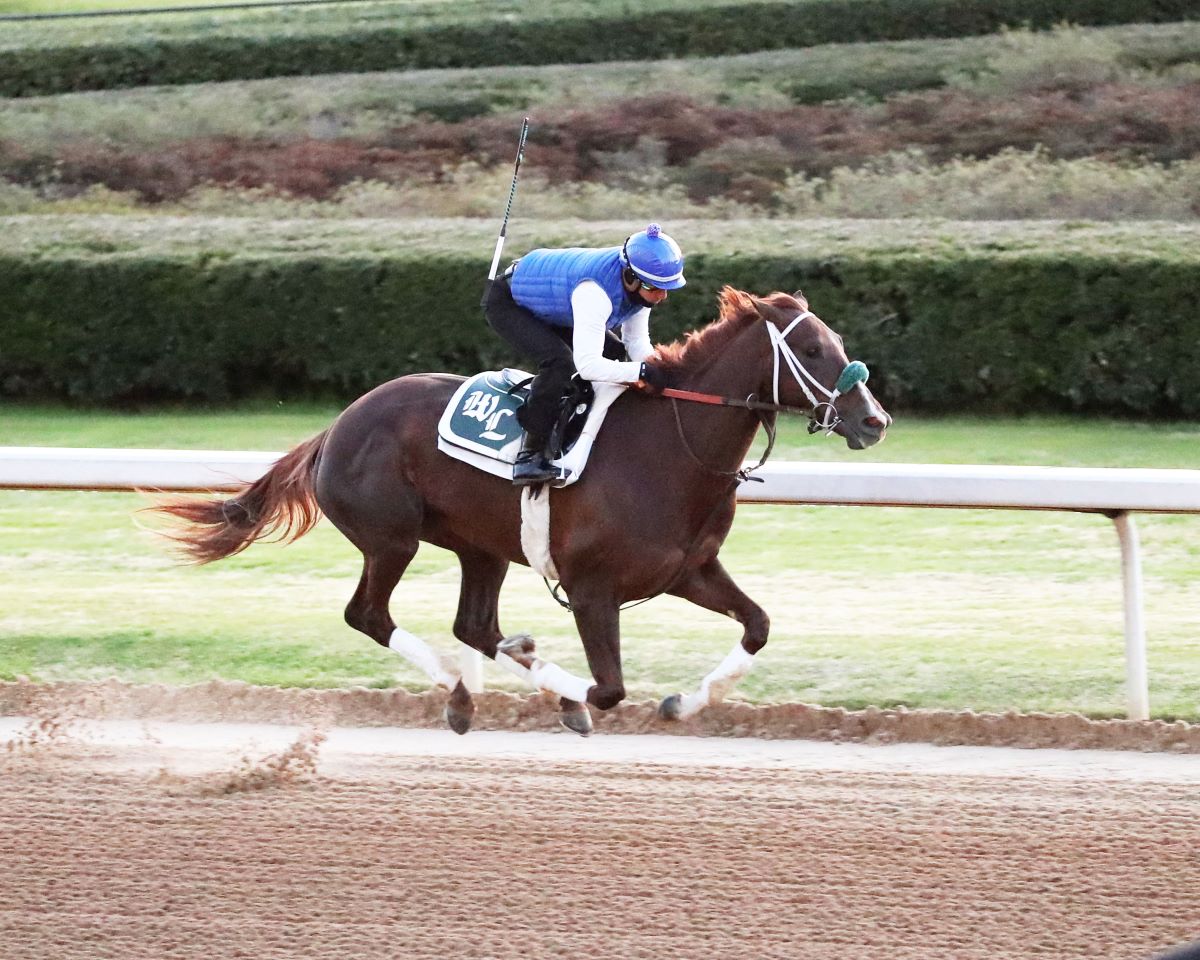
[[511, 193]]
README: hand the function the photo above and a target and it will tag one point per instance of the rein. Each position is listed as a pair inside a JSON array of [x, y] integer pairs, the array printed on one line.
[[750, 403], [851, 376], [743, 473]]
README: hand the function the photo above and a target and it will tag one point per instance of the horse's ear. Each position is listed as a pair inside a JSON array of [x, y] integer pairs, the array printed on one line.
[[801, 299], [735, 303]]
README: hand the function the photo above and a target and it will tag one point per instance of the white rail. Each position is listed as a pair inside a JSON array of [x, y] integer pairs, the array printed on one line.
[[94, 468], [1115, 493]]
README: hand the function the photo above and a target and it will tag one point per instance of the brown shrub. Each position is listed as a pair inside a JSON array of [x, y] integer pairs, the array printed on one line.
[[306, 168], [709, 148]]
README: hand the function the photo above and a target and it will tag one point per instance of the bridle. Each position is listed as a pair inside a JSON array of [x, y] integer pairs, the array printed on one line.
[[854, 373], [822, 416]]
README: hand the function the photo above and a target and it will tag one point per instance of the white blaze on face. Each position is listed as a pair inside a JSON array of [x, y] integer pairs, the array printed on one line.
[[873, 407]]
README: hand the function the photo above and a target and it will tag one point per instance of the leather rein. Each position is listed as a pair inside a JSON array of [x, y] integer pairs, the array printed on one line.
[[759, 408]]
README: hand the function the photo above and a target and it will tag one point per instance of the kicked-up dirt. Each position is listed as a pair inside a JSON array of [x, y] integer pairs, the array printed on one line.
[[219, 700]]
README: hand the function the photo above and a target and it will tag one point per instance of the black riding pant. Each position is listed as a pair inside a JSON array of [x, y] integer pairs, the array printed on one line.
[[549, 346]]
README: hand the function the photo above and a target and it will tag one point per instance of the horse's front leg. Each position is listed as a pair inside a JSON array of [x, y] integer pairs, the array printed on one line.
[[597, 615], [711, 587], [518, 655]]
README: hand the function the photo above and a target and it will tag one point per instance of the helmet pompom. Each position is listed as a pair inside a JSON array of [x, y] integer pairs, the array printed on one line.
[[653, 230]]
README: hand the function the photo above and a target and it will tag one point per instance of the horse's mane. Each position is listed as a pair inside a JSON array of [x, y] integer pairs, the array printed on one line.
[[737, 311]]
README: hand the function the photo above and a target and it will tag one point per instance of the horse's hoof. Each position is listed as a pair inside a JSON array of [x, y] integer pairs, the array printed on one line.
[[460, 723], [672, 707], [577, 721], [519, 647]]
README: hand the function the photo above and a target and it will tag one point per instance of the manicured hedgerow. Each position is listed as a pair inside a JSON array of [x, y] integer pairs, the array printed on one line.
[[950, 316], [170, 49], [366, 106]]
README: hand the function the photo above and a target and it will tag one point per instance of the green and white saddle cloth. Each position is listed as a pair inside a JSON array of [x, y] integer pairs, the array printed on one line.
[[482, 415], [479, 425]]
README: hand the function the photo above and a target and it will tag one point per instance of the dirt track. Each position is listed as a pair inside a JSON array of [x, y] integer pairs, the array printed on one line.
[[527, 846], [359, 707]]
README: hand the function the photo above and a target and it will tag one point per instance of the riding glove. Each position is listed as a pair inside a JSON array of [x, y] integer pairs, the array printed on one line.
[[653, 379]]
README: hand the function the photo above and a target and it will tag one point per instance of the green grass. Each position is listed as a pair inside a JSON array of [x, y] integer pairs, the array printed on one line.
[[1012, 185], [188, 47], [983, 609], [342, 19], [275, 426], [104, 237]]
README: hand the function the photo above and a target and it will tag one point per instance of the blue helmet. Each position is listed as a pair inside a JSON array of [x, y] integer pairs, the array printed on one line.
[[655, 258]]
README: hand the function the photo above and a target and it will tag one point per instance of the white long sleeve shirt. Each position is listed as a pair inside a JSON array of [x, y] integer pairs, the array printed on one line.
[[591, 309]]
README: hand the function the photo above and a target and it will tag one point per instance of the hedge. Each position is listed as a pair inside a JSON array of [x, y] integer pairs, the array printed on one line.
[[950, 316], [366, 104], [52, 58]]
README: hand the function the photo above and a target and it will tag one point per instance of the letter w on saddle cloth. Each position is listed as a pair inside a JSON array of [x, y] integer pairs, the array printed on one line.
[[479, 426]]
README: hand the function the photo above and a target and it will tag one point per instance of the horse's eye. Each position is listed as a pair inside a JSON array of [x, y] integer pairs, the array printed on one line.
[[812, 353]]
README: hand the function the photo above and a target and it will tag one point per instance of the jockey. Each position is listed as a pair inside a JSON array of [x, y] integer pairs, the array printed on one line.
[[563, 308]]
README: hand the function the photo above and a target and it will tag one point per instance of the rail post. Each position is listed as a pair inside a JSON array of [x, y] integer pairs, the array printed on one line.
[[1137, 686]]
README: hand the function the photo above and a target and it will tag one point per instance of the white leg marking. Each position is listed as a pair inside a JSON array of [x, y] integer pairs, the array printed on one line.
[[511, 665], [715, 687], [552, 677], [417, 652], [544, 675]]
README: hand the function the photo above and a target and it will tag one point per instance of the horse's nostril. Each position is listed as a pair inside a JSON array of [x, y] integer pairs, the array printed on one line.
[[874, 423]]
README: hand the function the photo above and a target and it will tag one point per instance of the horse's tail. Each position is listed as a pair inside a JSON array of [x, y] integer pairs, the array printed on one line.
[[280, 502]]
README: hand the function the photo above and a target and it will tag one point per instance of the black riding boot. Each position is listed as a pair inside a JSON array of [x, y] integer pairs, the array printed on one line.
[[533, 463]]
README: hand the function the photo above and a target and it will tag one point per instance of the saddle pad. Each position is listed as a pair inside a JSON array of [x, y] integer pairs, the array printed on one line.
[[479, 425], [482, 415]]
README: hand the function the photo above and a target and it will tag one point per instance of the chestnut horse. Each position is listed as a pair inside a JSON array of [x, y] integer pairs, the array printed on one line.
[[648, 518]]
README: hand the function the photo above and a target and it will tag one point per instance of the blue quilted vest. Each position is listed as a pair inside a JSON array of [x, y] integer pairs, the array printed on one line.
[[544, 280]]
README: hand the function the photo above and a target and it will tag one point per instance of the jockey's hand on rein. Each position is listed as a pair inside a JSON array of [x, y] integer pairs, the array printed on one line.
[[652, 379]]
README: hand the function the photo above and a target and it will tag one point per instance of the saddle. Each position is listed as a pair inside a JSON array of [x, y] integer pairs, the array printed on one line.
[[481, 424]]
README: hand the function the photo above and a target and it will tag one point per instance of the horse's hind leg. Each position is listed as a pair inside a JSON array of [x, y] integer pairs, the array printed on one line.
[[368, 612], [598, 619], [477, 623], [518, 655]]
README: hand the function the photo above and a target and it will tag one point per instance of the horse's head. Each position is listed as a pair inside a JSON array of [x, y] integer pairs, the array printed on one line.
[[809, 368]]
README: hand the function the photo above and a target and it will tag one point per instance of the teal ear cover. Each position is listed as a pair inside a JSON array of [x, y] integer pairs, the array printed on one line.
[[856, 372]]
